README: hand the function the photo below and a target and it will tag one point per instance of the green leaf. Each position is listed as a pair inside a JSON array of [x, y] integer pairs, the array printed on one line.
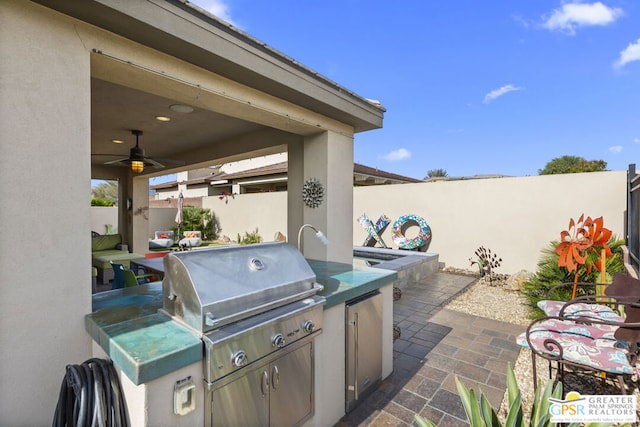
[[515, 415], [470, 404], [423, 422], [512, 385], [543, 421], [541, 403], [488, 413]]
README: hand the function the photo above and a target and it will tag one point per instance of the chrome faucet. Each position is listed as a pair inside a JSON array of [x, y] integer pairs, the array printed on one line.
[[319, 235]]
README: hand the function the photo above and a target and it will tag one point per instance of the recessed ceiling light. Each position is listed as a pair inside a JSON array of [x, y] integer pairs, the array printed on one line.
[[180, 108], [117, 141], [163, 118]]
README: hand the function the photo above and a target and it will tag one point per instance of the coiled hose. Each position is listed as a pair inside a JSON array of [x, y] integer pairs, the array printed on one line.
[[91, 395]]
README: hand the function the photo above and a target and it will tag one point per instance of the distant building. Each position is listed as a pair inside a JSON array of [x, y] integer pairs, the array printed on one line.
[[259, 175]]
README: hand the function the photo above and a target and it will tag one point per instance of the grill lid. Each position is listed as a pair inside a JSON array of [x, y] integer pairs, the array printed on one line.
[[208, 288]]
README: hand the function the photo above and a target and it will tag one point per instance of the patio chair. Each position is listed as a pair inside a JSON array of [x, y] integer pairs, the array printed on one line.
[[191, 239], [590, 334], [162, 240], [126, 278], [623, 289]]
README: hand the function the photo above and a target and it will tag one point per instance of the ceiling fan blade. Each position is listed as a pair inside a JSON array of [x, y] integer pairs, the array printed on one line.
[[152, 162], [172, 161], [123, 161]]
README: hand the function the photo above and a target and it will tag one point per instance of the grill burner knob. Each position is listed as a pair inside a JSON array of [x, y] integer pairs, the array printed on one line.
[[239, 358], [308, 326], [278, 341]]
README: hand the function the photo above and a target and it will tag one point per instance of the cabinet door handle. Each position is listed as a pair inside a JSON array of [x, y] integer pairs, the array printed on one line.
[[275, 377], [264, 384], [355, 351]]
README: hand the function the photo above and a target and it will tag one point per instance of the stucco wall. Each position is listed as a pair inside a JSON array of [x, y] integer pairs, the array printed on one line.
[[45, 255], [514, 217], [101, 216], [245, 212]]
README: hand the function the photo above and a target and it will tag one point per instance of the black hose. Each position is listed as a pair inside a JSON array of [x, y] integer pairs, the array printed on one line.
[[91, 395]]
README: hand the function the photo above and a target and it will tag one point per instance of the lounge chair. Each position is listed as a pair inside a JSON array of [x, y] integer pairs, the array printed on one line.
[[191, 239], [162, 240]]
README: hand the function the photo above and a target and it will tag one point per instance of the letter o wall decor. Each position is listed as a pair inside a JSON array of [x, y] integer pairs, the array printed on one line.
[[402, 224]]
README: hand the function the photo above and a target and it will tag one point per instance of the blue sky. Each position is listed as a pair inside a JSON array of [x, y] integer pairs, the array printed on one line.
[[472, 87]]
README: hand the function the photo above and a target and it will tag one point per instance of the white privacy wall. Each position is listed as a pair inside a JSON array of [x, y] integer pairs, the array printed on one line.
[[514, 217]]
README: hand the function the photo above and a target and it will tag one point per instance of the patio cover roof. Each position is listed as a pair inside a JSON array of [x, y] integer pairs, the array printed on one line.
[[188, 33]]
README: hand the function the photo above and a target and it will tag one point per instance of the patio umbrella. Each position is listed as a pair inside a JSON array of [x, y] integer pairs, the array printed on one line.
[[179, 218]]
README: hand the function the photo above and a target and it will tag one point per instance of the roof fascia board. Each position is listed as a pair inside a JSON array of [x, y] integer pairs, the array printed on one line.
[[187, 32]]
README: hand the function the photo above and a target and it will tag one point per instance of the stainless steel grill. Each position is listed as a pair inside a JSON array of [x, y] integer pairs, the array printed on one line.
[[257, 310]]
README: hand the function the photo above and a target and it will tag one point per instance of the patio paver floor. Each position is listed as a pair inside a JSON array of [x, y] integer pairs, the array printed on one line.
[[436, 344]]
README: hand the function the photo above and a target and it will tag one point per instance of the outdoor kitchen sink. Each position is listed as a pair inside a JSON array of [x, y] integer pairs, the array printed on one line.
[[252, 328]]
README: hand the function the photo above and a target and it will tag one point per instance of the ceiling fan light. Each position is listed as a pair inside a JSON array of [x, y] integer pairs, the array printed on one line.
[[137, 166]]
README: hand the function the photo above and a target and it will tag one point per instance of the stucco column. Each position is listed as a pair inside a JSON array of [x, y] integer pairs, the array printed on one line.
[[45, 256], [139, 215], [328, 158], [295, 178]]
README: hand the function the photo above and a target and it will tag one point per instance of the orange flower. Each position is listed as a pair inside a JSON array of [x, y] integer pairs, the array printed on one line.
[[582, 238]]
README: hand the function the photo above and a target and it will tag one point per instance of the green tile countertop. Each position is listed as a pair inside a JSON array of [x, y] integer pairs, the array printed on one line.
[[143, 343], [146, 344], [343, 282]]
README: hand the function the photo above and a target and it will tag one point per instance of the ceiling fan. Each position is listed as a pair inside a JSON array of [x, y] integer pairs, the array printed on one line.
[[137, 160]]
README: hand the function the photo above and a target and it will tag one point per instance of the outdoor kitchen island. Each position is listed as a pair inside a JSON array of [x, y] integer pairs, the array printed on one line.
[[161, 362]]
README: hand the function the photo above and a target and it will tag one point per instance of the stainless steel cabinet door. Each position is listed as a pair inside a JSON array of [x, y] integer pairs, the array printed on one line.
[[292, 387], [243, 402], [363, 347]]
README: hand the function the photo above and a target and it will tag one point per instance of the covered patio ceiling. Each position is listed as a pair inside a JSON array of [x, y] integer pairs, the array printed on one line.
[[129, 88], [117, 110]]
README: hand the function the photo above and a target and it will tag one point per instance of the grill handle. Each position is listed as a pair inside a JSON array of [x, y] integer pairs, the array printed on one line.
[[355, 368], [275, 377], [264, 384], [212, 322]]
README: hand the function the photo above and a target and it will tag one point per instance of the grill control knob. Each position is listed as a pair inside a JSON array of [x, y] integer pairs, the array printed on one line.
[[239, 358], [308, 326], [278, 341]]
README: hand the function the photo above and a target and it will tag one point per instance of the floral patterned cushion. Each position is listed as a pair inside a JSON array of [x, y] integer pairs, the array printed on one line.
[[594, 311], [590, 346]]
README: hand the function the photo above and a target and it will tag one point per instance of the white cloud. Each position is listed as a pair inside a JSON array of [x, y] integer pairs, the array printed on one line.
[[577, 14], [499, 92], [615, 149], [396, 155], [219, 8], [636, 140], [630, 54]]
